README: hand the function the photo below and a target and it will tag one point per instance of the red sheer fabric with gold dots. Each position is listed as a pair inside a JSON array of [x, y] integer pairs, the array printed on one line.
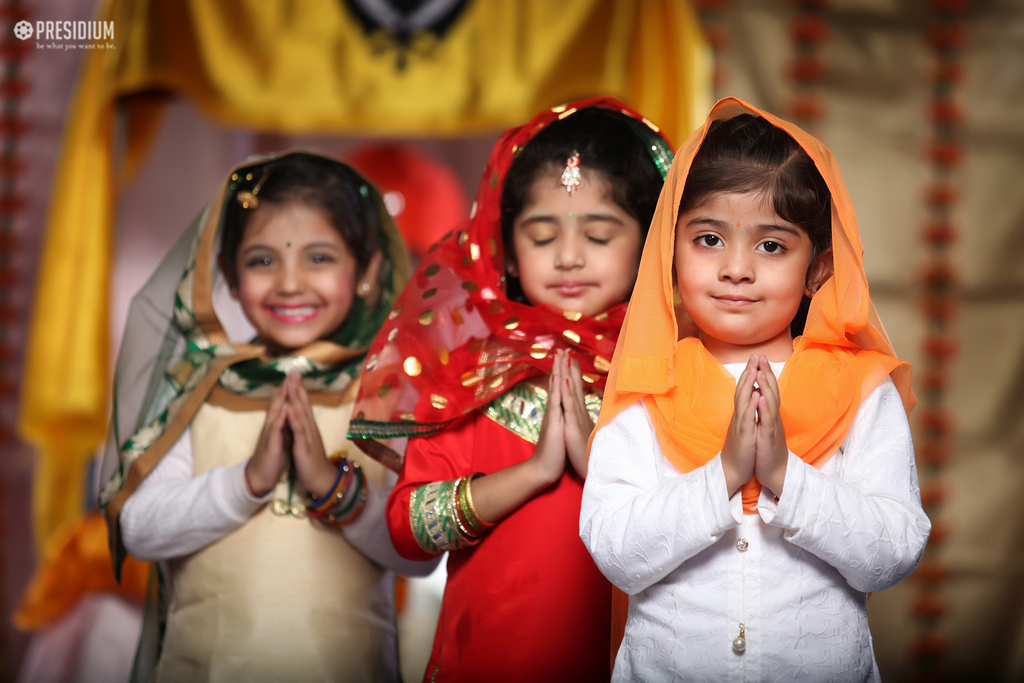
[[454, 341]]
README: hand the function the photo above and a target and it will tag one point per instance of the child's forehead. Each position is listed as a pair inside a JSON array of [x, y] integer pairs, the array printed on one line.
[[287, 219], [550, 176], [730, 203]]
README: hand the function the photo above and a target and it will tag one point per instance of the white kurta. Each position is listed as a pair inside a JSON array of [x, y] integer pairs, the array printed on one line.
[[796, 575]]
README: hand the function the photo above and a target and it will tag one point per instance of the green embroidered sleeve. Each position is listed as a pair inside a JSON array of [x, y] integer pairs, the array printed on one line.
[[434, 520]]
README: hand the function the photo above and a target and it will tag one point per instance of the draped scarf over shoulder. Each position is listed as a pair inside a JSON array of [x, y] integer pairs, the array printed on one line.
[[454, 341], [840, 358], [178, 352]]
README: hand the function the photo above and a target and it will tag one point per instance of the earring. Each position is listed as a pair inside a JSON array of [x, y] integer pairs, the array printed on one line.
[[364, 288]]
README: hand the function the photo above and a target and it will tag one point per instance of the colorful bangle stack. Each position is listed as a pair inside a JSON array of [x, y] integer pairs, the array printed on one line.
[[345, 501], [465, 512]]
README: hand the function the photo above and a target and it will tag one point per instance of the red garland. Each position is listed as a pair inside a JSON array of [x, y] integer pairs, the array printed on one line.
[[13, 86], [711, 14], [809, 29], [808, 69], [808, 32], [946, 35], [948, 72], [943, 195], [933, 453], [939, 233]]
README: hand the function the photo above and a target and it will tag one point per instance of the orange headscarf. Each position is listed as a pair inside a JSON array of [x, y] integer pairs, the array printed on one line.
[[841, 357]]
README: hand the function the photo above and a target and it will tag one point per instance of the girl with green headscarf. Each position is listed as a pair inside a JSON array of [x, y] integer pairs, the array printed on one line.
[[228, 463]]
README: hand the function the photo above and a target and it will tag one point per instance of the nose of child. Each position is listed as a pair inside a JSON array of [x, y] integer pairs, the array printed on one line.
[[569, 254], [288, 279], [737, 266]]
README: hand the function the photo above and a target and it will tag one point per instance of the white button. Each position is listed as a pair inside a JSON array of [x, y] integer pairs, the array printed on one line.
[[742, 544]]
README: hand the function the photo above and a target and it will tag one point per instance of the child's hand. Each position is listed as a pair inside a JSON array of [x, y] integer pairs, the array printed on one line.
[[740, 440], [578, 424], [264, 468], [316, 472], [548, 457], [771, 452]]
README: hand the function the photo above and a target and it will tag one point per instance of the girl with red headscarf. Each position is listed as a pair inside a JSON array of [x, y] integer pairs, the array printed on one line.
[[752, 475], [493, 360]]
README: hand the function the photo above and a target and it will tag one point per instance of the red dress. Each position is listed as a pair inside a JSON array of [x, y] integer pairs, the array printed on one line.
[[527, 603]]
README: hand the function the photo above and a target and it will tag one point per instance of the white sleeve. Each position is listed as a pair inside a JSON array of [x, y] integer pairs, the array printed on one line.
[[640, 523], [369, 533], [174, 514], [866, 518]]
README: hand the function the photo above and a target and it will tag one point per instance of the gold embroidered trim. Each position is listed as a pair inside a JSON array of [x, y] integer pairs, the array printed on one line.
[[521, 410]]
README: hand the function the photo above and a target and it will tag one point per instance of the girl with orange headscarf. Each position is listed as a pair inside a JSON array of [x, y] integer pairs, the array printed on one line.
[[752, 477]]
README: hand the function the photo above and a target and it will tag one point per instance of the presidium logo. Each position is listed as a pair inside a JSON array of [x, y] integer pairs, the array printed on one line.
[[88, 34]]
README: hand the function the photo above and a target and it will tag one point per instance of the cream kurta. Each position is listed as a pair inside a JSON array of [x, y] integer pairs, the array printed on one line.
[[278, 598]]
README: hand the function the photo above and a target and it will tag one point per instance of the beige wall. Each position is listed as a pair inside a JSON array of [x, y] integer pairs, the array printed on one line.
[[877, 126]]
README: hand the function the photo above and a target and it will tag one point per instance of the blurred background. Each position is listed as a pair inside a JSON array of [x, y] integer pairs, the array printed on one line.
[[112, 143]]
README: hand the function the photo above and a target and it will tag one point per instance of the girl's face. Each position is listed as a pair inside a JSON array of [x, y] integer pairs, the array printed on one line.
[[578, 253], [296, 276], [741, 272]]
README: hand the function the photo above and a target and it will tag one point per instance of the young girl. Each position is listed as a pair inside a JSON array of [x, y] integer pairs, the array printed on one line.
[[274, 556], [747, 489], [494, 357]]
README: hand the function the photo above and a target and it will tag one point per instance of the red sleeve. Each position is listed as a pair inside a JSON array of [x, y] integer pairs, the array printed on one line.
[[443, 456]]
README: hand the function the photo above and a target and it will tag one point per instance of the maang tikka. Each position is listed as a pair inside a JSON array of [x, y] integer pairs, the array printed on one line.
[[248, 198], [571, 175]]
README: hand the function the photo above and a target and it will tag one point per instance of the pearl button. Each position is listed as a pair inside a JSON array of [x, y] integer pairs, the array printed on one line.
[[739, 643], [742, 544]]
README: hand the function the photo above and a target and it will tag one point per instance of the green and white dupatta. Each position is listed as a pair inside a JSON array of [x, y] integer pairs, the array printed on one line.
[[177, 350]]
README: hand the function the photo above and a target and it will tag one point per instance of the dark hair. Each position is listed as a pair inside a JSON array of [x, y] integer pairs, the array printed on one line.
[[748, 154], [607, 144], [317, 182]]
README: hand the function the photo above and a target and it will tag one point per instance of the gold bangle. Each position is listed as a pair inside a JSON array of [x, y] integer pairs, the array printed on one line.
[[463, 505], [467, 536], [484, 524]]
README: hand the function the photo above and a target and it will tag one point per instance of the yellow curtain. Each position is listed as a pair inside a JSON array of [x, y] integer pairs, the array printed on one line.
[[301, 67]]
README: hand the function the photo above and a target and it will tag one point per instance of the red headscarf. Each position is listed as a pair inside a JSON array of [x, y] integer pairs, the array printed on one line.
[[454, 341]]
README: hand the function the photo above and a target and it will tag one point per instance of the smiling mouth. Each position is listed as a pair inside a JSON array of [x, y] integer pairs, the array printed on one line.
[[293, 314]]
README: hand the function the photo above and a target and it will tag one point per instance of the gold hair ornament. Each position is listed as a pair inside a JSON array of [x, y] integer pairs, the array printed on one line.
[[248, 198]]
